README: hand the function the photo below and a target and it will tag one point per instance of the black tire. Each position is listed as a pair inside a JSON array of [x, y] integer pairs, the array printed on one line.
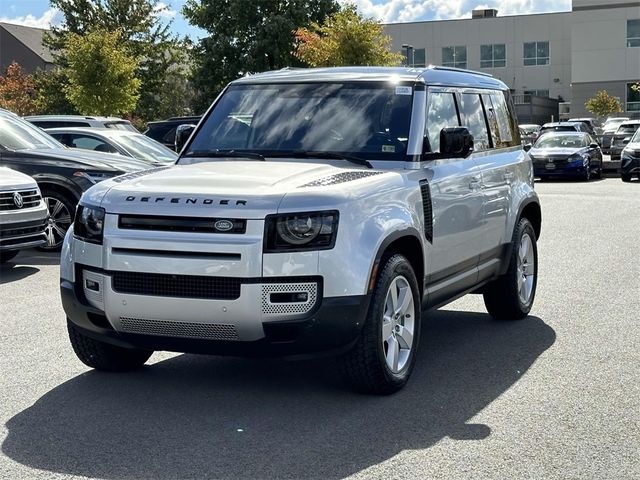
[[103, 356], [70, 205], [364, 365], [600, 174], [587, 174], [501, 297], [625, 178], [7, 255]]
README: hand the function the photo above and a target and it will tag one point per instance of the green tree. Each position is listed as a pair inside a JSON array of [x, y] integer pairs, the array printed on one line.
[[603, 104], [51, 100], [101, 73], [17, 91], [246, 36], [345, 38], [143, 31]]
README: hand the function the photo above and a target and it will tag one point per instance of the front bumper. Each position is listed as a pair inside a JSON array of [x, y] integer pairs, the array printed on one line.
[[15, 236], [333, 325], [567, 170], [630, 166]]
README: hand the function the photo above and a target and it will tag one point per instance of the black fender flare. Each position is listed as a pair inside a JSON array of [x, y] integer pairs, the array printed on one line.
[[389, 239], [504, 265], [58, 181]]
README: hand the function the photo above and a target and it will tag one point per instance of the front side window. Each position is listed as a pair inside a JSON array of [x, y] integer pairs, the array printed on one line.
[[369, 120], [18, 134], [441, 113], [536, 53], [454, 57], [87, 142], [473, 118], [493, 56], [633, 97], [633, 33]]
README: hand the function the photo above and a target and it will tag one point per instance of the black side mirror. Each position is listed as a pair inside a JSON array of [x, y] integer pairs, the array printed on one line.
[[183, 132], [527, 147], [594, 145], [626, 140], [456, 142]]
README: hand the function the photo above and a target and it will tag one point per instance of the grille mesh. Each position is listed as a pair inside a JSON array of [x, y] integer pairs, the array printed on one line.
[[268, 308], [425, 191], [181, 286], [170, 328], [30, 198], [340, 178]]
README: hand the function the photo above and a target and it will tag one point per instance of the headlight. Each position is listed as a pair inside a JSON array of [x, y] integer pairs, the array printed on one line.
[[89, 223], [577, 157], [297, 232], [94, 177]]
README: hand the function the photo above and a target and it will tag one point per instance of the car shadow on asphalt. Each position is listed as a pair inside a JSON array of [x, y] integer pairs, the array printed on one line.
[[195, 416], [10, 272]]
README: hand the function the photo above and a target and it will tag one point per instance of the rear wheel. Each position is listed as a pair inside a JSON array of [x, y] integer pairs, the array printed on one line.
[[383, 357], [7, 255], [61, 211], [103, 356], [511, 296]]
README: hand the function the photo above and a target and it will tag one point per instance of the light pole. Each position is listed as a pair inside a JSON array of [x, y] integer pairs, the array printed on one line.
[[409, 48]]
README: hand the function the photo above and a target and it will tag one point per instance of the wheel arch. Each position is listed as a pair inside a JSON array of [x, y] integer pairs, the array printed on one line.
[[60, 185], [408, 243], [531, 211]]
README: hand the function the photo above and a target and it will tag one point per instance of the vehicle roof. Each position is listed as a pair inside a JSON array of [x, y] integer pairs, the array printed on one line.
[[560, 124], [528, 125], [105, 132], [75, 117], [195, 118], [630, 122], [432, 75]]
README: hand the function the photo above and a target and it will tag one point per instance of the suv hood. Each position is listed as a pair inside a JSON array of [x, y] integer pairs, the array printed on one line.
[[246, 188], [12, 180], [86, 159]]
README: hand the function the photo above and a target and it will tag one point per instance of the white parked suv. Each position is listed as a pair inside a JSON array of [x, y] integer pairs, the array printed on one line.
[[23, 214], [311, 211]]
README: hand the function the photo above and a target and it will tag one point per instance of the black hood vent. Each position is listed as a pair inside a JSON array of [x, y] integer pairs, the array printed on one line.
[[340, 178]]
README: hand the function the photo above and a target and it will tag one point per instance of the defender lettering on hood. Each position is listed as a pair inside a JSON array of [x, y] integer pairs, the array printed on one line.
[[187, 200]]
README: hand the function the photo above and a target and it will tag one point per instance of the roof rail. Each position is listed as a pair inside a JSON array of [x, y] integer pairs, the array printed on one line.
[[461, 70]]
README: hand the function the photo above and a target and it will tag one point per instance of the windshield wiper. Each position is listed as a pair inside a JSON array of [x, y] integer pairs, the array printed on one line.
[[223, 154], [327, 155]]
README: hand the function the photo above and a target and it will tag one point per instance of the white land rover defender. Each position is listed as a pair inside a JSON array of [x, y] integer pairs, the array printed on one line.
[[311, 211]]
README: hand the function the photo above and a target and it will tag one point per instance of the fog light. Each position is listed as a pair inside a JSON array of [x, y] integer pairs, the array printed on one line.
[[92, 285], [289, 297]]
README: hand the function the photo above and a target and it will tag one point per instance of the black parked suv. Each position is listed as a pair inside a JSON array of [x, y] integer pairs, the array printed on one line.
[[164, 131], [62, 173]]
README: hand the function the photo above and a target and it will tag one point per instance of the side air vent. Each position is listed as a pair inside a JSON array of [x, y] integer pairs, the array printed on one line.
[[340, 178], [141, 173], [427, 210]]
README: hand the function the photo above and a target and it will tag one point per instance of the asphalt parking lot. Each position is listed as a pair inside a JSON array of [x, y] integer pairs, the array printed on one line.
[[555, 396]]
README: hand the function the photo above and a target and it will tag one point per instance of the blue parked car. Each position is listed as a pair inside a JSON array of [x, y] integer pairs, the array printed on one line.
[[566, 154]]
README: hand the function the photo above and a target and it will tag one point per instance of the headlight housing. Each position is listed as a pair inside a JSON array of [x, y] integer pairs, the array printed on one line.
[[95, 177], [89, 223], [577, 157], [299, 232]]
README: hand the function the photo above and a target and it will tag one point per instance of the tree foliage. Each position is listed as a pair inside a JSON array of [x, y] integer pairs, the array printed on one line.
[[247, 36], [51, 99], [345, 38], [603, 104], [101, 73], [18, 91], [142, 31]]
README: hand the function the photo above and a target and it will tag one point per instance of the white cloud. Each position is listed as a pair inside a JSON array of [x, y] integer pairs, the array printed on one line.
[[44, 21], [163, 10], [413, 10]]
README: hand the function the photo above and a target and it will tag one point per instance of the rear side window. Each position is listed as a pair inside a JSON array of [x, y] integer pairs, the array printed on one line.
[[474, 120], [441, 113]]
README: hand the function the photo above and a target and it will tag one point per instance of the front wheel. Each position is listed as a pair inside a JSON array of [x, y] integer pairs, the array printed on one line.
[[587, 174], [625, 177], [61, 211], [383, 357], [511, 296]]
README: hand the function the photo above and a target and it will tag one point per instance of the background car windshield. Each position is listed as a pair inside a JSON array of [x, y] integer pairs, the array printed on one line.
[[18, 134], [368, 120], [627, 129], [562, 141], [146, 148], [636, 137]]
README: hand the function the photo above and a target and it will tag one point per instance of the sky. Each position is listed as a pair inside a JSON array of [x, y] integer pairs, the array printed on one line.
[[38, 13]]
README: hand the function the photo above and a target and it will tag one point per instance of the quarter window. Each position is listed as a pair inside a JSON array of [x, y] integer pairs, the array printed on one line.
[[633, 33], [474, 120], [493, 56], [536, 53], [633, 97], [441, 113], [454, 57]]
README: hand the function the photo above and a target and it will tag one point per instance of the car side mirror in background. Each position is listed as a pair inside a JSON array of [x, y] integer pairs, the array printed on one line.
[[527, 147], [456, 142], [594, 145], [626, 140], [183, 132]]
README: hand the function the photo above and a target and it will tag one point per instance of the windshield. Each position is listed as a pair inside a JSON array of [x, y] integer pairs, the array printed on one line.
[[18, 134], [529, 129], [146, 148], [612, 126], [368, 120], [562, 141], [559, 128], [627, 129], [636, 137]]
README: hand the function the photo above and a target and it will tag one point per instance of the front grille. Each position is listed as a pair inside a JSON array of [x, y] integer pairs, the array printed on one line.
[[180, 286], [182, 224], [30, 198], [168, 328], [18, 236], [556, 160]]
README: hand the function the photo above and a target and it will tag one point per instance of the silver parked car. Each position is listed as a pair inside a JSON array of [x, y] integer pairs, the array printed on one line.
[[23, 214], [55, 121], [129, 144]]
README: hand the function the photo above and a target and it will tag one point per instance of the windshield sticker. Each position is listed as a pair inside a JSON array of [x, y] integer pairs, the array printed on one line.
[[389, 148], [400, 90]]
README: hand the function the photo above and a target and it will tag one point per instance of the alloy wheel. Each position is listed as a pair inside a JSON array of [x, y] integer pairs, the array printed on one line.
[[58, 223], [398, 324], [526, 269]]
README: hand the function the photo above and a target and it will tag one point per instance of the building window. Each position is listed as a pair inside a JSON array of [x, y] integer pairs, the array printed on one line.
[[537, 93], [633, 97], [536, 53], [454, 57], [493, 56], [417, 57], [633, 33]]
